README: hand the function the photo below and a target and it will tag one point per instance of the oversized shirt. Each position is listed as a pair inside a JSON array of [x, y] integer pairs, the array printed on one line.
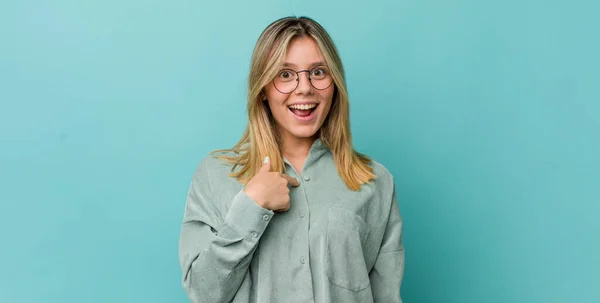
[[332, 245]]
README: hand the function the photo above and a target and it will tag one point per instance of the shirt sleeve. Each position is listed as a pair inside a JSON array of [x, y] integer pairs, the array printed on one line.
[[388, 270], [215, 248]]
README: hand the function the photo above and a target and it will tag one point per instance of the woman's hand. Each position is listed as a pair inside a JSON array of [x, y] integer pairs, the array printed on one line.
[[270, 189]]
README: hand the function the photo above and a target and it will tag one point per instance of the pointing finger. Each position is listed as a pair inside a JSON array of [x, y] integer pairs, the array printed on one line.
[[291, 181]]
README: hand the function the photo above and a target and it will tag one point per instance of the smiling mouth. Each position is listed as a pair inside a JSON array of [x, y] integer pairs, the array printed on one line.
[[303, 110]]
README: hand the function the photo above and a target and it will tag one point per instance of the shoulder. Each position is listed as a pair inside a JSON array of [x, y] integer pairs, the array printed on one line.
[[217, 167], [384, 180], [381, 171]]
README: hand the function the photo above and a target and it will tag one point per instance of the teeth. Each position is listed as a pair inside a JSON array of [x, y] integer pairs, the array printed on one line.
[[303, 106]]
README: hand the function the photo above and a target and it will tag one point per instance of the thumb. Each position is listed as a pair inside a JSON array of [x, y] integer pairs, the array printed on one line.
[[266, 165]]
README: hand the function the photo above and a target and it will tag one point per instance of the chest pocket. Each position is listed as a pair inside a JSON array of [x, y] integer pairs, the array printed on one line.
[[345, 264]]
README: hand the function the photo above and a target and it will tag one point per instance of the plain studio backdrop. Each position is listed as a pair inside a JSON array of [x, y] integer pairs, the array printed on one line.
[[486, 112]]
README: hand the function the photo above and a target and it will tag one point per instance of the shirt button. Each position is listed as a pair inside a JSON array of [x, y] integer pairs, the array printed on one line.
[[254, 234], [306, 178], [302, 260], [266, 217], [301, 215]]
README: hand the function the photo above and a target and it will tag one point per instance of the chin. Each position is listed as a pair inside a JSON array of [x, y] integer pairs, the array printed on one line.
[[303, 131], [304, 134]]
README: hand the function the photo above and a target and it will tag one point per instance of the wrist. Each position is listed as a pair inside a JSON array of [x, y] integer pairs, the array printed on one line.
[[259, 202]]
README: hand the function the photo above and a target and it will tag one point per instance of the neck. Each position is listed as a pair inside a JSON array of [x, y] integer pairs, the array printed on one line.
[[295, 147]]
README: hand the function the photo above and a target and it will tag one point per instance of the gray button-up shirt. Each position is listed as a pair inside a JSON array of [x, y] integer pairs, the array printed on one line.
[[332, 245]]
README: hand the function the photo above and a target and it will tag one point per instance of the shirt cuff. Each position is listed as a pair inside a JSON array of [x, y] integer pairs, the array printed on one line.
[[247, 217]]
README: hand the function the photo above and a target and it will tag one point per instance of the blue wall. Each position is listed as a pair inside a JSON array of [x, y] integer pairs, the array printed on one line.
[[487, 113]]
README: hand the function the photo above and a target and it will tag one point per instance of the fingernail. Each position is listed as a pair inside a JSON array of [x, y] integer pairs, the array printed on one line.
[[266, 159]]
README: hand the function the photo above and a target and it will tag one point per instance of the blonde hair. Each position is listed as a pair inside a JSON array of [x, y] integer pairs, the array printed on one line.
[[261, 137]]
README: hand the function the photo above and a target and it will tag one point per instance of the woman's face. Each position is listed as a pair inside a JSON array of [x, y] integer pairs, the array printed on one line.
[[301, 112]]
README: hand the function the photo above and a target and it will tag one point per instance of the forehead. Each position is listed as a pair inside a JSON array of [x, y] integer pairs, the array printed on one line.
[[303, 52]]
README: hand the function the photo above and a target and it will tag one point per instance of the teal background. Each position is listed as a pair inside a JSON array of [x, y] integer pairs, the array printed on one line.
[[486, 112]]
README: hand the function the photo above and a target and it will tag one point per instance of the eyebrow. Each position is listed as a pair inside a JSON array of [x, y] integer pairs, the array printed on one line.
[[286, 64]]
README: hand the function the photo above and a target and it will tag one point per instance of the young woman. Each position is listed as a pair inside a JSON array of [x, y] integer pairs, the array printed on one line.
[[292, 213]]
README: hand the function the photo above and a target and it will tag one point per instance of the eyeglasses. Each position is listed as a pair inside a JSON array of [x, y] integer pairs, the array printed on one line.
[[287, 80]]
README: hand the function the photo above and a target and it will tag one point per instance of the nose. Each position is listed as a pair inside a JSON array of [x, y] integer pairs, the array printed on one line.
[[304, 86]]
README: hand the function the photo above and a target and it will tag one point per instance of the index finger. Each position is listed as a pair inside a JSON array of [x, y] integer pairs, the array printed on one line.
[[291, 181]]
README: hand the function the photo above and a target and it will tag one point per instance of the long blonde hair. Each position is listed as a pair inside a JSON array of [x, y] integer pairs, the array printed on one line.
[[261, 137]]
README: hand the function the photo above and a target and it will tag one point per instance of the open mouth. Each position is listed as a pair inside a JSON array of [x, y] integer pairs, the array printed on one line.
[[303, 111]]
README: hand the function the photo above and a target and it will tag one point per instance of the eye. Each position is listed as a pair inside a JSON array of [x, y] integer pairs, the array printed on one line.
[[286, 75], [319, 72]]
